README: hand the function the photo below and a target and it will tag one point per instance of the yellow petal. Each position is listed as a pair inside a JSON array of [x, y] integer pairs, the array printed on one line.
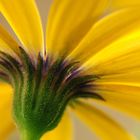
[[119, 68], [100, 123], [24, 19], [119, 93], [124, 96], [69, 21], [64, 130], [7, 43], [131, 78], [120, 56], [124, 107], [6, 124], [105, 31], [116, 4]]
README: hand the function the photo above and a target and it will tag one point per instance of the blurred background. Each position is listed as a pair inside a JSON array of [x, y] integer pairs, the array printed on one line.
[[81, 131]]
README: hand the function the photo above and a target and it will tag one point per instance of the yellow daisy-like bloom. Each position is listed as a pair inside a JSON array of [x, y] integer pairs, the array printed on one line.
[[91, 56]]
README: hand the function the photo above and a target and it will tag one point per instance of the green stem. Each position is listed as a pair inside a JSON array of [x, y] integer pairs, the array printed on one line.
[[26, 135]]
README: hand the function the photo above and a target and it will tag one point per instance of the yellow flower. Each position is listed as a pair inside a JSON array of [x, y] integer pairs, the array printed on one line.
[[92, 52]]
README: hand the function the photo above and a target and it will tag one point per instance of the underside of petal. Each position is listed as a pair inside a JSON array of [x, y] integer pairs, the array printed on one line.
[[121, 56], [24, 19], [6, 124], [106, 31], [100, 123], [63, 131], [117, 4], [7, 43], [69, 21], [124, 96]]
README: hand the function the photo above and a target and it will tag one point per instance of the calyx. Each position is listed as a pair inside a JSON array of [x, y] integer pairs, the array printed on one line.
[[42, 90]]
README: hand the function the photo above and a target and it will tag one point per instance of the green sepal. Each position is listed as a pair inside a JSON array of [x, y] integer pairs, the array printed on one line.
[[42, 90]]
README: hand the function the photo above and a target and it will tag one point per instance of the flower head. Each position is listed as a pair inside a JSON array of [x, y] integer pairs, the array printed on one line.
[[91, 58]]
